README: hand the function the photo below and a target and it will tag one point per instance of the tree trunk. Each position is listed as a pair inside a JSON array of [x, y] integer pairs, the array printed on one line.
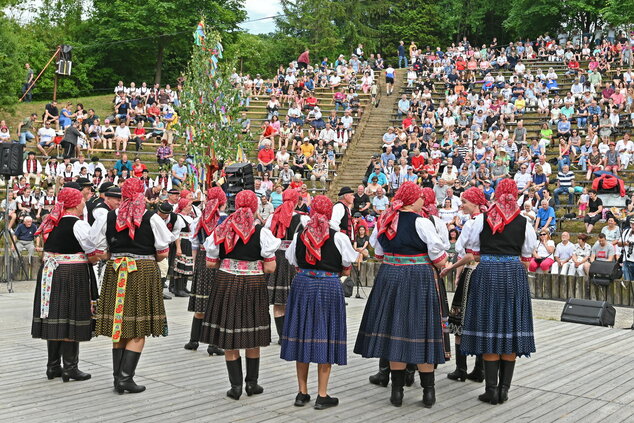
[[159, 62]]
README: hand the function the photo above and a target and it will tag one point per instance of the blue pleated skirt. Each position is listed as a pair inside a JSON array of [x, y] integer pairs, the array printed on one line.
[[315, 323], [498, 318], [402, 320]]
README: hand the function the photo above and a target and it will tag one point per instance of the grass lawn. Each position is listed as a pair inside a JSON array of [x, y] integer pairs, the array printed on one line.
[[101, 103]]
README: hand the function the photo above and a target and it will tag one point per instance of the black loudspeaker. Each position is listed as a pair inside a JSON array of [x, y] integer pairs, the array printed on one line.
[[11, 156], [604, 272], [587, 312], [239, 177]]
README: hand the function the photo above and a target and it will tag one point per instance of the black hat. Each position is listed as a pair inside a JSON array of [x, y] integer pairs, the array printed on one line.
[[95, 158], [73, 185], [174, 191], [31, 152], [84, 182], [357, 215], [345, 190], [165, 207], [105, 187], [113, 192]]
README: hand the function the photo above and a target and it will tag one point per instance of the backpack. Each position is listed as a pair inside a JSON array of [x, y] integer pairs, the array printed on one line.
[[348, 286]]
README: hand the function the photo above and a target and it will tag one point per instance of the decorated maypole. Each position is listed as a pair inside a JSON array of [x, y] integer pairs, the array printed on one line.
[[209, 107]]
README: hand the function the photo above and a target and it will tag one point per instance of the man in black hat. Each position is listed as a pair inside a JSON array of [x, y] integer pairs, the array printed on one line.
[[173, 195], [341, 219], [95, 200], [87, 189], [174, 224], [109, 199]]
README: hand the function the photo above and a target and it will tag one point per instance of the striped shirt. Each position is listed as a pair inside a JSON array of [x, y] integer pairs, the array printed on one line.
[[565, 179]]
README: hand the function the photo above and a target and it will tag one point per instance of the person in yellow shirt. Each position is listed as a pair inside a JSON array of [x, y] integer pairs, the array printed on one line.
[[308, 150], [520, 104]]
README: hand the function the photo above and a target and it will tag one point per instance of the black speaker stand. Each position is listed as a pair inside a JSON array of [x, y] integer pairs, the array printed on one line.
[[5, 235]]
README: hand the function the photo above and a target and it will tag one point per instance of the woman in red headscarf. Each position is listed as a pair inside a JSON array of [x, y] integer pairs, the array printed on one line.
[[203, 279], [283, 223], [184, 259], [402, 321], [131, 303], [498, 320], [473, 203], [66, 286], [237, 314], [315, 327]]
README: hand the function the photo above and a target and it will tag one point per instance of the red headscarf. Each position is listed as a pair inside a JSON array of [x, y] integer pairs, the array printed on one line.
[[406, 195], [429, 209], [317, 229], [66, 199], [216, 198], [476, 196], [184, 193], [241, 223], [132, 206], [182, 204], [505, 208], [284, 213]]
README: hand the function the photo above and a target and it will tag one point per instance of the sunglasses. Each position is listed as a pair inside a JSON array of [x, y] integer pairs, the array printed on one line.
[[542, 234]]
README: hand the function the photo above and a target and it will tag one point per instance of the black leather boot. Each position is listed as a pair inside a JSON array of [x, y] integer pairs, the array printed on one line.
[[279, 325], [382, 378], [179, 287], [117, 355], [410, 372], [251, 386], [398, 380], [54, 363], [70, 356], [129, 361], [234, 368], [461, 366], [477, 374], [506, 376], [214, 350], [194, 335], [491, 394], [429, 390]]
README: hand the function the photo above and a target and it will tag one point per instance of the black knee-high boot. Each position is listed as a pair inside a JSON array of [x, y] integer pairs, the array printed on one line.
[[429, 389], [279, 325], [117, 355], [54, 363], [382, 378], [194, 335], [461, 366], [234, 368], [179, 286], [70, 357], [398, 380], [491, 394], [127, 370], [251, 380], [506, 376], [477, 374]]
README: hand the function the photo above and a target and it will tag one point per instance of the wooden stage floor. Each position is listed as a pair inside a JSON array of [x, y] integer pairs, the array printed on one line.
[[579, 374]]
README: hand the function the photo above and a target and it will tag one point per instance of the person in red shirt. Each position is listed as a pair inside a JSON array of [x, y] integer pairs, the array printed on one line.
[[418, 161], [268, 132], [266, 157], [461, 64], [153, 112], [138, 168], [303, 60], [139, 136], [407, 122], [310, 102]]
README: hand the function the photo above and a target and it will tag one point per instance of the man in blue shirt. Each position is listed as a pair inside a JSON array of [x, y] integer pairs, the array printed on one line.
[[179, 172], [25, 237], [403, 106], [123, 163], [381, 178], [402, 56], [545, 217], [387, 156]]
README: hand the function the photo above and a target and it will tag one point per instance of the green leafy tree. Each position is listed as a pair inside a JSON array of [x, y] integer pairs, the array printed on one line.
[[210, 105], [619, 12], [11, 73], [159, 33]]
